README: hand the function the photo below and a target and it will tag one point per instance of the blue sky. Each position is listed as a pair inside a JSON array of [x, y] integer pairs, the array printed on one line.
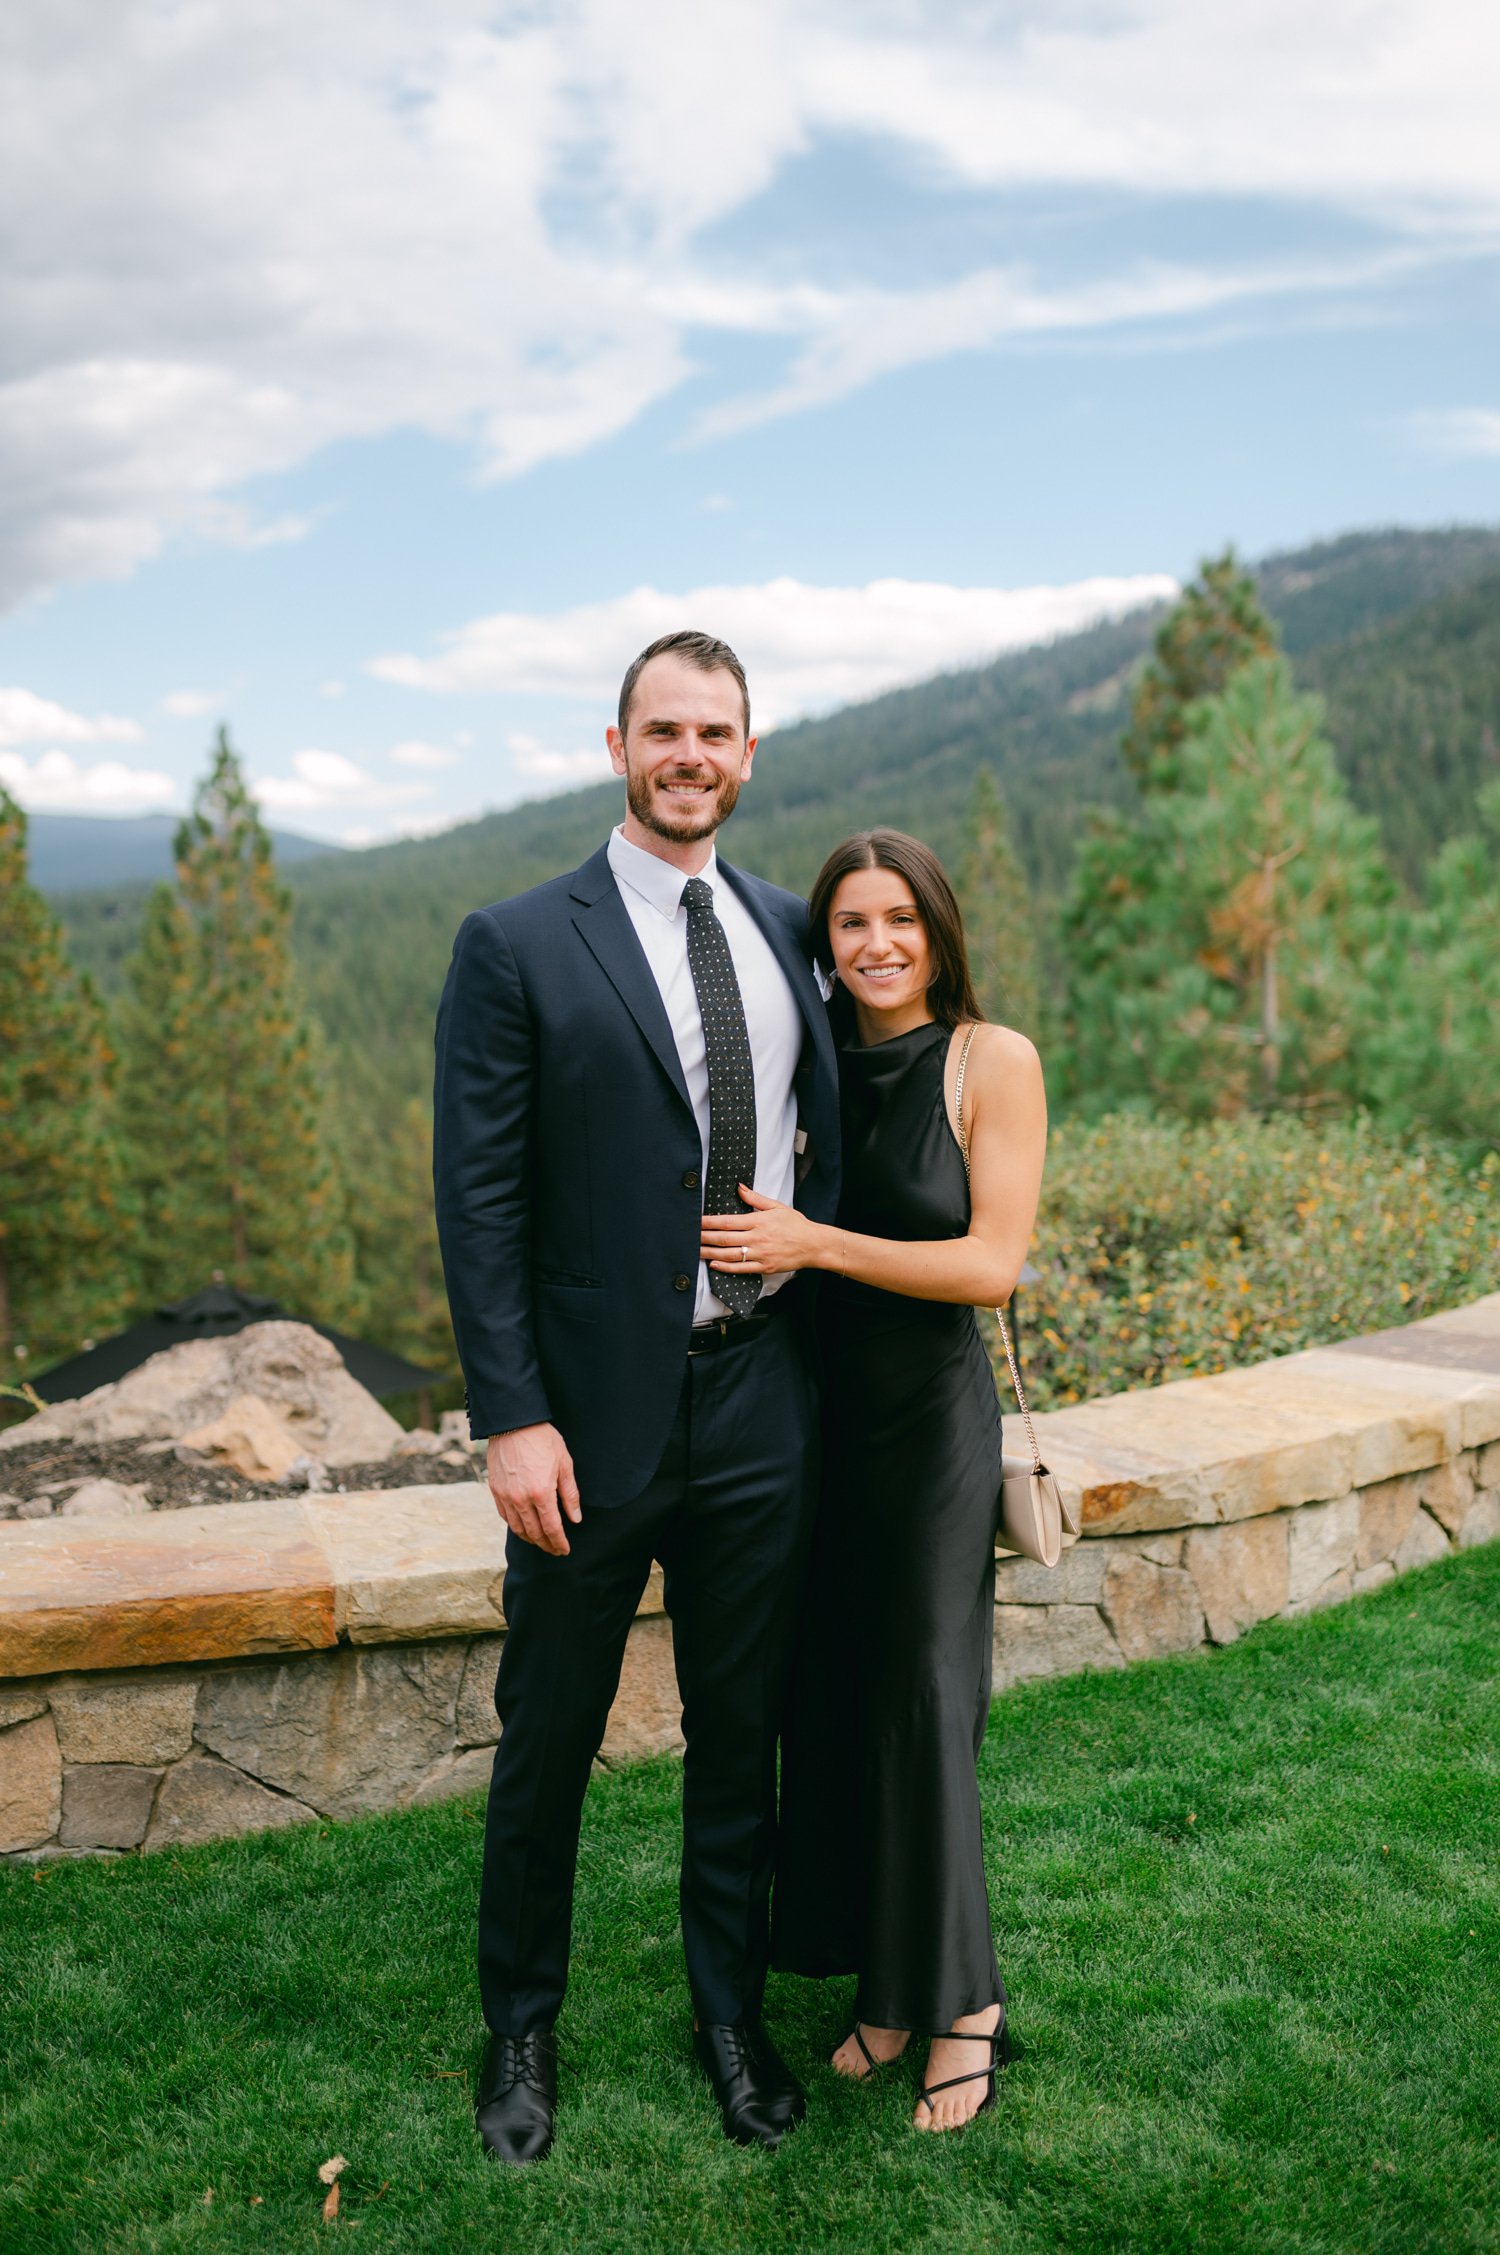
[[378, 380]]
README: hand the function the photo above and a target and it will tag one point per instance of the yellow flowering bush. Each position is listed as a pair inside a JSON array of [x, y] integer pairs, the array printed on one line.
[[1169, 1248]]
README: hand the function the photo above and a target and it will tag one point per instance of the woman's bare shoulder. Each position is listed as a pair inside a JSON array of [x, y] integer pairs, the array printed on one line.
[[1001, 1050]]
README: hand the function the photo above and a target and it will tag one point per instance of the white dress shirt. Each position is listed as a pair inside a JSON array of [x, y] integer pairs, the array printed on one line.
[[652, 892]]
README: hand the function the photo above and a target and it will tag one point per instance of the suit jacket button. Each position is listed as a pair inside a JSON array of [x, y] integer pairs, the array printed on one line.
[[682, 1284], [692, 1180]]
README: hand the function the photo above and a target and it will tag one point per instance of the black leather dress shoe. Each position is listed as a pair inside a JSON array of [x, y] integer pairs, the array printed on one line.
[[757, 2095], [517, 2096], [777, 2077]]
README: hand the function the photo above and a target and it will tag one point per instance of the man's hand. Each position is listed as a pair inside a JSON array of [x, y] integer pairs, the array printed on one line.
[[531, 1475]]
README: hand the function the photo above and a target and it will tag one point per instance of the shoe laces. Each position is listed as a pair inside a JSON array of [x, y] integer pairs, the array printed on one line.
[[521, 2062]]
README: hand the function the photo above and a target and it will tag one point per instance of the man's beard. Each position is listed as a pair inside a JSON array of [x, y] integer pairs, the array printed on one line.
[[700, 819]]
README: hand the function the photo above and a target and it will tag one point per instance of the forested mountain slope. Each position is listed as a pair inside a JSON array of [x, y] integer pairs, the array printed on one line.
[[1399, 630]]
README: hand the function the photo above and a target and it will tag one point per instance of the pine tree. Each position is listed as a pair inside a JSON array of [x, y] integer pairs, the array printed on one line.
[[64, 1223], [999, 919], [1435, 1059], [1221, 948], [396, 1235], [1216, 626], [222, 1102]]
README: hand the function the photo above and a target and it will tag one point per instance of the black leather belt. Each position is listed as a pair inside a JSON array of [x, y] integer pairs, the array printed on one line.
[[731, 1330]]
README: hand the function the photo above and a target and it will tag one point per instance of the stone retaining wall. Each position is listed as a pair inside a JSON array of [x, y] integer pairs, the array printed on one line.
[[193, 1674]]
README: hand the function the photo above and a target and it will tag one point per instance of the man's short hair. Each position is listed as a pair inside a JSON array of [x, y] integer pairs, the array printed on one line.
[[704, 651]]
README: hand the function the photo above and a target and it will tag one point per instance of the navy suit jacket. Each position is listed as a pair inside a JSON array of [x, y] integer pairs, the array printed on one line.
[[566, 1162]]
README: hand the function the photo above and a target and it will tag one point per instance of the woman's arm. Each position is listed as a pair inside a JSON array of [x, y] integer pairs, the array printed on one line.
[[1005, 1115]]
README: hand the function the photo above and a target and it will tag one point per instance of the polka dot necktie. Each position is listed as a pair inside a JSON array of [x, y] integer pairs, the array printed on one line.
[[731, 1078]]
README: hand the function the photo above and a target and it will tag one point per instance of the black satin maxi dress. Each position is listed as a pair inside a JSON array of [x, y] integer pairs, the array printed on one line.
[[880, 1866]]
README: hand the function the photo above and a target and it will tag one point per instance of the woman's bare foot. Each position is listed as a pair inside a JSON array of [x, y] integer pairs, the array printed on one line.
[[884, 2043], [949, 2110]]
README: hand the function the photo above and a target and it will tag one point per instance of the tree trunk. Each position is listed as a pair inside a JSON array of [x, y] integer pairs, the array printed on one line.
[[1270, 1025]]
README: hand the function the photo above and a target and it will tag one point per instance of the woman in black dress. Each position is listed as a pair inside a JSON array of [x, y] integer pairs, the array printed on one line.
[[880, 1869]]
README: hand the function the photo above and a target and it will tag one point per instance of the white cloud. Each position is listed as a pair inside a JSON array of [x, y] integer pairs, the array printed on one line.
[[1457, 430], [191, 704], [322, 780], [804, 648], [532, 758], [54, 781], [876, 332], [416, 753], [253, 231], [1384, 107], [29, 719]]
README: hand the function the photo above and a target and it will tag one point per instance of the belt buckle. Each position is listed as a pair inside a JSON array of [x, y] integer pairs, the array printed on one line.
[[718, 1323]]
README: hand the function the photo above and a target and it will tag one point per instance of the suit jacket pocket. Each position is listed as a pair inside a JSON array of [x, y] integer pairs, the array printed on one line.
[[563, 1292]]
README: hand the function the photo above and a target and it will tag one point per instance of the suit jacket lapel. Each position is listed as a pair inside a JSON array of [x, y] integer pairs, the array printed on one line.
[[604, 923]]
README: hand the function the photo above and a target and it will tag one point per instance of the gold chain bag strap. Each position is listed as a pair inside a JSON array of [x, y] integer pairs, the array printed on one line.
[[1033, 1514]]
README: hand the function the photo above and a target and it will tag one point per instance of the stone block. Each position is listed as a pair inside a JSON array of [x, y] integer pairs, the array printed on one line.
[[1373, 1577], [105, 1499], [1050, 1640], [18, 1703], [343, 1731], [1321, 1541], [1482, 1524], [467, 1772], [1448, 1491], [201, 1799], [1338, 1586], [250, 1438], [1076, 1579], [1151, 1609], [145, 1719], [205, 1583], [106, 1805], [413, 1562], [1241, 1573], [475, 1722], [1386, 1510], [30, 1784], [646, 1717], [1425, 1542], [1487, 1466]]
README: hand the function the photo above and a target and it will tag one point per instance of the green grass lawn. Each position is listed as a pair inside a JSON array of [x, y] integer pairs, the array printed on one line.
[[1248, 1910]]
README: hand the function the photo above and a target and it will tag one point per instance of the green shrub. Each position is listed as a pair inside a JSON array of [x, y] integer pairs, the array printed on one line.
[[1169, 1249]]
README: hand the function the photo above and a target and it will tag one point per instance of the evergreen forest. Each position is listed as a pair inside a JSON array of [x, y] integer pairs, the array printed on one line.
[[1235, 865]]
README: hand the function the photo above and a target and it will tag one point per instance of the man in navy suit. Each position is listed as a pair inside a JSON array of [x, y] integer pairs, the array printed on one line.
[[615, 1049]]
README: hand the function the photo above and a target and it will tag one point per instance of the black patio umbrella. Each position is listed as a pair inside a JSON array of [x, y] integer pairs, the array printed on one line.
[[214, 1313]]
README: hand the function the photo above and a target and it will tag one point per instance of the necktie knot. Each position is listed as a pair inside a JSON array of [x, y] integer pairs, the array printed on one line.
[[697, 895]]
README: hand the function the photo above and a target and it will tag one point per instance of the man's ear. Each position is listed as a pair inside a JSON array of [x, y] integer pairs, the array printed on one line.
[[746, 762], [616, 743]]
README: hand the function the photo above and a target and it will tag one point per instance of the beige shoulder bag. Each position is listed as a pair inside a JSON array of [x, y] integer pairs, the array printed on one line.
[[1033, 1514]]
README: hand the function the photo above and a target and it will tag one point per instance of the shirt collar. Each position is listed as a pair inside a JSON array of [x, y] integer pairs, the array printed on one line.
[[657, 882]]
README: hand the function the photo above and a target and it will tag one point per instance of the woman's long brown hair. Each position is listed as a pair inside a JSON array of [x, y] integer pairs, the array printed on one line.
[[950, 991]]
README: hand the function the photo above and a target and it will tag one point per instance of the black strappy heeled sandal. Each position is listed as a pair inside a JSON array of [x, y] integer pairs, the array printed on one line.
[[872, 2064], [999, 2055]]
